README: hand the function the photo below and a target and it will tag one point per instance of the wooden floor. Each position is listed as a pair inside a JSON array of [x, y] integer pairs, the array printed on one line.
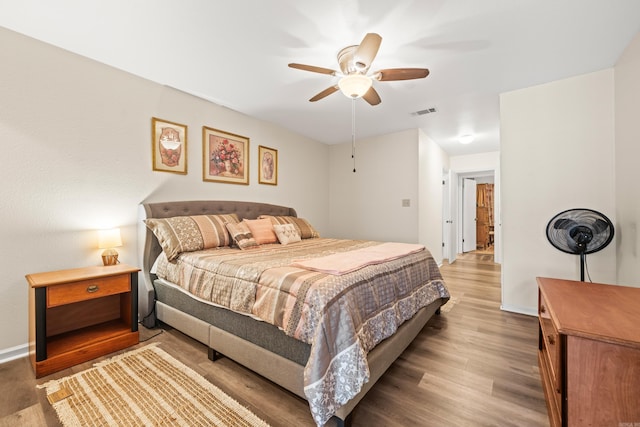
[[474, 365]]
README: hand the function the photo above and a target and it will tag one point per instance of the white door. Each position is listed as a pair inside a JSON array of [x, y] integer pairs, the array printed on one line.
[[446, 224], [453, 214], [468, 215]]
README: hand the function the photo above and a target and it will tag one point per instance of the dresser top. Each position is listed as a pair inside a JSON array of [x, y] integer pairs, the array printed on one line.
[[593, 310]]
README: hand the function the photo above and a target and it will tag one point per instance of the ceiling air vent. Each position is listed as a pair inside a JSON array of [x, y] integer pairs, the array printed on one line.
[[426, 111]]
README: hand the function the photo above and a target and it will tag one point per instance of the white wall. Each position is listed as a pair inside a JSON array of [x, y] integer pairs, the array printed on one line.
[[367, 204], [627, 98], [557, 152], [76, 157], [475, 162], [469, 164], [433, 160]]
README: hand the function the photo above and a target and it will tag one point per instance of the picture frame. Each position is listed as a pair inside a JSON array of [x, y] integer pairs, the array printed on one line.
[[168, 146], [225, 157], [267, 165]]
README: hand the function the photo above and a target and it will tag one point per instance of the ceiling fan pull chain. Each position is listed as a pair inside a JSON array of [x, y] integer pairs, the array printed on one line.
[[353, 133]]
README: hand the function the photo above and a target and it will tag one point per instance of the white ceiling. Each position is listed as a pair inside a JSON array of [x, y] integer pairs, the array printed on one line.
[[235, 53]]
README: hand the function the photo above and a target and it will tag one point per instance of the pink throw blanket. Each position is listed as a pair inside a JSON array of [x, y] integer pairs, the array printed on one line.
[[346, 262]]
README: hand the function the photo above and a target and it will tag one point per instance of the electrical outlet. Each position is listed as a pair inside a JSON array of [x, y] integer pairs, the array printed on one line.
[[406, 203]]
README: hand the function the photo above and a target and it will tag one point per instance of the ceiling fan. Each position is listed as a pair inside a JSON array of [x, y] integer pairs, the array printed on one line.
[[356, 81]]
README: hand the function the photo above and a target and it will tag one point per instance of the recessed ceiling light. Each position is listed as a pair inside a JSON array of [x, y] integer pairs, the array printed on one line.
[[466, 139]]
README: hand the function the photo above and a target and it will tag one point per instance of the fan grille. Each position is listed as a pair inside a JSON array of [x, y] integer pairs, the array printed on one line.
[[580, 231]]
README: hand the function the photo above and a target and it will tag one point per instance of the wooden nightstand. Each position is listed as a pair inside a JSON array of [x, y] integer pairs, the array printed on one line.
[[80, 314]]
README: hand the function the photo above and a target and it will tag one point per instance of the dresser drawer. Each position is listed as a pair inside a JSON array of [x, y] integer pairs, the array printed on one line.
[[553, 397], [551, 338], [87, 289]]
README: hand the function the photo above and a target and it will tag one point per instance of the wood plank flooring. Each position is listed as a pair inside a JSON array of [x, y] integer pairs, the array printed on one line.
[[474, 365]]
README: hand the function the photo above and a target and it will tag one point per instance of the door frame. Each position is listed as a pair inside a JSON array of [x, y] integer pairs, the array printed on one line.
[[455, 210]]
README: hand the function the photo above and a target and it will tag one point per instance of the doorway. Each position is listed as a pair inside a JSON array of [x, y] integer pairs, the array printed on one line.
[[457, 210], [485, 233]]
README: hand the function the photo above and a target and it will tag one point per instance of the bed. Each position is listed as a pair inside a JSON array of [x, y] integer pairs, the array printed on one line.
[[255, 305]]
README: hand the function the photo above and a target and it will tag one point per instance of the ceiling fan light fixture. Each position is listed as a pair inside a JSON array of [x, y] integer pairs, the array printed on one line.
[[355, 85]]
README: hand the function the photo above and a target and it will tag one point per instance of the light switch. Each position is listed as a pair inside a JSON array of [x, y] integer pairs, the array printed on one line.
[[406, 203]]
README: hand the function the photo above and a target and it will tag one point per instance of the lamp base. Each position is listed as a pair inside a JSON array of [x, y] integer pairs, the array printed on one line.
[[110, 257]]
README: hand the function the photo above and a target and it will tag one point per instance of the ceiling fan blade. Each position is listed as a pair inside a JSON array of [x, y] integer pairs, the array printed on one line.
[[328, 91], [313, 69], [372, 96], [367, 51], [393, 74]]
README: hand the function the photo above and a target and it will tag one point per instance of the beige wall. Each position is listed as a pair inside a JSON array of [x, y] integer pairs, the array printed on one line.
[[368, 203], [627, 126], [389, 168], [557, 153], [76, 157]]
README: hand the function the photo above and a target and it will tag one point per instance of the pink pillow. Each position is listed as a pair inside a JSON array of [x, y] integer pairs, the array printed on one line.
[[262, 230]]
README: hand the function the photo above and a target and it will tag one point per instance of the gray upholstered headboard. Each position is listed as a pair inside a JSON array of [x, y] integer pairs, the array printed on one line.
[[151, 248]]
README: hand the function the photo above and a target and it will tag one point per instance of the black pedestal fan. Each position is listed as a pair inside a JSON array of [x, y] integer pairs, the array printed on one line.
[[580, 232]]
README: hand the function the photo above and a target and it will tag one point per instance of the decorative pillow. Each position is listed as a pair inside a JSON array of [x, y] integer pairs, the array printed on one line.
[[262, 230], [287, 233], [305, 229], [191, 233], [241, 234]]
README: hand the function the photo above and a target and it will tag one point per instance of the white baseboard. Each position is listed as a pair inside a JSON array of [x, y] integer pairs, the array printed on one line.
[[12, 353], [520, 310]]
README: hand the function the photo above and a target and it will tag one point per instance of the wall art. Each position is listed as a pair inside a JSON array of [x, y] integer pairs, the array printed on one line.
[[169, 146], [225, 157], [267, 165]]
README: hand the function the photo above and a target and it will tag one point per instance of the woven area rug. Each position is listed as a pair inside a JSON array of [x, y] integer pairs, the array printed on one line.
[[144, 387]]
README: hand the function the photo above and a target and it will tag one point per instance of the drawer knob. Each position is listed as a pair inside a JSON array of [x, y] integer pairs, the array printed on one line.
[[92, 288], [552, 339], [542, 309]]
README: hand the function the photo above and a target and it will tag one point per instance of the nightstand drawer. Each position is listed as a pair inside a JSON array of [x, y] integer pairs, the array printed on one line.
[[87, 289]]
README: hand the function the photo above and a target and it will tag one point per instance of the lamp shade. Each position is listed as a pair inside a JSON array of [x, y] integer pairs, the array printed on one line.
[[355, 85], [109, 238]]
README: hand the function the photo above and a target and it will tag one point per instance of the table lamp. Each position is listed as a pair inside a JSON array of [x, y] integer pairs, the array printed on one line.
[[108, 240]]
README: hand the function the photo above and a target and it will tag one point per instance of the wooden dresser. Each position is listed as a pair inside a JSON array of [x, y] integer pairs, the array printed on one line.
[[80, 314], [589, 352]]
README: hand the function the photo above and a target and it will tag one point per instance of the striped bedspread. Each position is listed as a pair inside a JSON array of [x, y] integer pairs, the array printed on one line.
[[342, 316]]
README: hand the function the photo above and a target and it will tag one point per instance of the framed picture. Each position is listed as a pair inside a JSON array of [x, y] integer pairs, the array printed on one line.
[[225, 157], [267, 165], [168, 146]]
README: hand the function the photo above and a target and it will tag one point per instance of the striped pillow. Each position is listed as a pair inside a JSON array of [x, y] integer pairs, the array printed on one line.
[[305, 229], [191, 233], [242, 236]]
